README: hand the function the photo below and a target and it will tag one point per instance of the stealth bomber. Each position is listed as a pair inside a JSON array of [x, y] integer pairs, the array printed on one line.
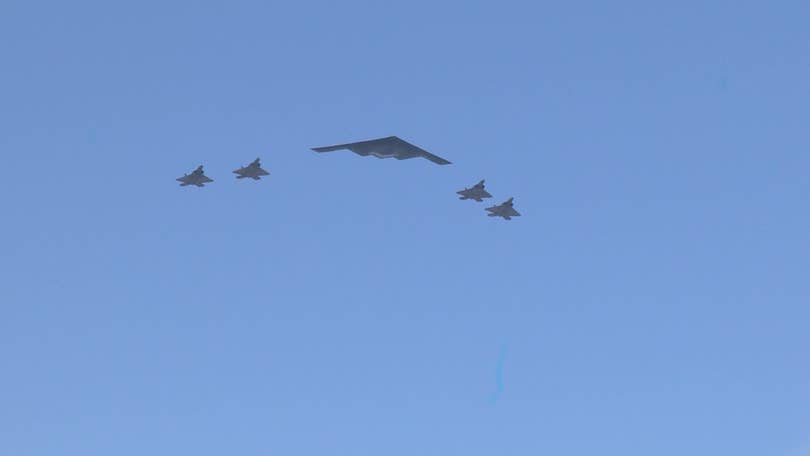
[[388, 147], [197, 177], [504, 210], [253, 170], [476, 192]]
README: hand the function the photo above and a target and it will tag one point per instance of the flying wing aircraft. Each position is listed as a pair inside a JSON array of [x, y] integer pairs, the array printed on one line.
[[386, 148], [504, 210], [253, 170], [197, 177], [476, 192]]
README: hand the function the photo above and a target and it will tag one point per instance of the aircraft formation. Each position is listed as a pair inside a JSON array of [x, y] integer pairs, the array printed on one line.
[[388, 147]]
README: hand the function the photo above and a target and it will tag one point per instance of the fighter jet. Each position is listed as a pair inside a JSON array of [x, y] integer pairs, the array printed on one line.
[[475, 192], [504, 210], [386, 148], [253, 170], [195, 178]]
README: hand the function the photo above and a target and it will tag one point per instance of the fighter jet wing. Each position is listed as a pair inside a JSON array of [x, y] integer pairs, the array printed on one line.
[[391, 146]]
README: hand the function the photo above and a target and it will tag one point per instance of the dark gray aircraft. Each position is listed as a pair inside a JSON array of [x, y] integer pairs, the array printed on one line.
[[475, 192], [253, 170], [386, 148], [195, 178], [504, 210]]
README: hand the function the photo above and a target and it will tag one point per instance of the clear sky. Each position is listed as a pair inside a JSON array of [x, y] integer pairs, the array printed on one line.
[[653, 299]]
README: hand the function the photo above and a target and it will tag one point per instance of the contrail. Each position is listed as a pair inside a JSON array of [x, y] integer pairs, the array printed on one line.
[[499, 374]]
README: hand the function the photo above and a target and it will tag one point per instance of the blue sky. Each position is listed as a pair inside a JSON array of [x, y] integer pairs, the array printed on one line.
[[653, 298]]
